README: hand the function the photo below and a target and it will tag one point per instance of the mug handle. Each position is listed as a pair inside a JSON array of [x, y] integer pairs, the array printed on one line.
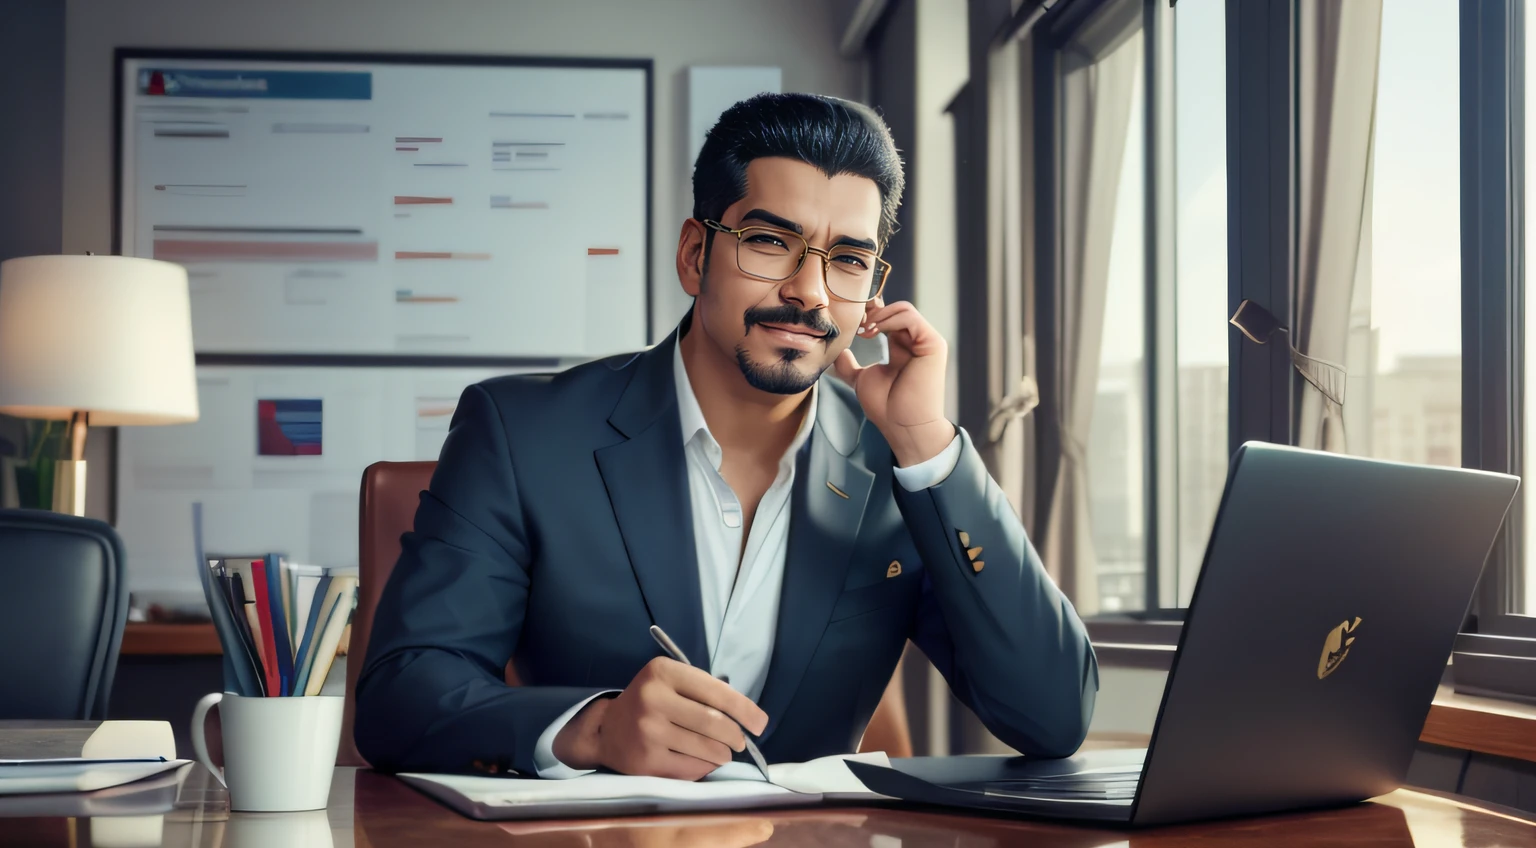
[[199, 741]]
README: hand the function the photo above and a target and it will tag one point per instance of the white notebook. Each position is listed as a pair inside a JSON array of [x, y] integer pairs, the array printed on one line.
[[25, 777], [734, 786]]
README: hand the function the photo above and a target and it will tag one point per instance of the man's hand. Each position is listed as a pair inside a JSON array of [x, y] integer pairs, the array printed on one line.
[[904, 397], [673, 720]]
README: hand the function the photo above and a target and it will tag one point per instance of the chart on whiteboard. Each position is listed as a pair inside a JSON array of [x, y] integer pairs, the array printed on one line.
[[393, 208]]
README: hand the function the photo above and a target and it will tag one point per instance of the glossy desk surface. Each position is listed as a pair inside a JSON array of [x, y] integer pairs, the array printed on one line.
[[376, 810]]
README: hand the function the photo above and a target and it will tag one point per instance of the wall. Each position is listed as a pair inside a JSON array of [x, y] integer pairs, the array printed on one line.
[[31, 160], [31, 148], [798, 35]]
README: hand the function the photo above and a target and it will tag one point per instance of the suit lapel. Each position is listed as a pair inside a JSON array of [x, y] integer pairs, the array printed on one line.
[[647, 484], [823, 528]]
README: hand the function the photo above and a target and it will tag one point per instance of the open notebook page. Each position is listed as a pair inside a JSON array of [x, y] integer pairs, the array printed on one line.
[[735, 786], [822, 776]]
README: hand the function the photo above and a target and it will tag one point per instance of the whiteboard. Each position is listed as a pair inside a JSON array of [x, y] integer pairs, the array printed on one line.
[[384, 206]]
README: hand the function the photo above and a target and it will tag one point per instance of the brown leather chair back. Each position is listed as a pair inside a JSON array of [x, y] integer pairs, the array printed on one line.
[[390, 493], [387, 509]]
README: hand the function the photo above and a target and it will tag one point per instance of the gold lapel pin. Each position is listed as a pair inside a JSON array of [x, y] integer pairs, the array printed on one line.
[[970, 552], [893, 569], [836, 491]]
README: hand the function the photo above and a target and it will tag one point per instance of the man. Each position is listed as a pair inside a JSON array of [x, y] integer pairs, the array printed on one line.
[[788, 533]]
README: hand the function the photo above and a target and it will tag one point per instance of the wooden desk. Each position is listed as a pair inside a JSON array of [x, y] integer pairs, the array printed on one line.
[[368, 809], [145, 638], [1485, 725]]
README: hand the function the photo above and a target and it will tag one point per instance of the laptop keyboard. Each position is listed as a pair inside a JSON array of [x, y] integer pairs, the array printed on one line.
[[1107, 785]]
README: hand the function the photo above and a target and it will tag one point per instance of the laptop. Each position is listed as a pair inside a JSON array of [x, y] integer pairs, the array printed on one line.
[[1328, 603]]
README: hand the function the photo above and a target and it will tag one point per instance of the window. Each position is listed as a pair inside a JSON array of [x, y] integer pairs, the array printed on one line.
[[1200, 297], [1117, 456], [1523, 600], [1141, 300], [1403, 400], [1103, 283], [1360, 230]]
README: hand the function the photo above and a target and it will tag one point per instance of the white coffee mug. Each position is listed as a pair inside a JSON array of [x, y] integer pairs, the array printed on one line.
[[279, 753]]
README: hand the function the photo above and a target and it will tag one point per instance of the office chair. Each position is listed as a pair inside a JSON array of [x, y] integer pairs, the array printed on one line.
[[63, 604], [390, 492]]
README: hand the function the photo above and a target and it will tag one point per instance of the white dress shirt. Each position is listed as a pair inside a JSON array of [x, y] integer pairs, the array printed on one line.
[[739, 587]]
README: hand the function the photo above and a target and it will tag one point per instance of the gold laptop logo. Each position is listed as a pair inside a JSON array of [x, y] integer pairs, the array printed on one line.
[[1336, 647]]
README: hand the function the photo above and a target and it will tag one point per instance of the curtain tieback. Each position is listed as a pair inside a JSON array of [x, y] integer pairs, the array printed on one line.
[[1012, 408], [1259, 325]]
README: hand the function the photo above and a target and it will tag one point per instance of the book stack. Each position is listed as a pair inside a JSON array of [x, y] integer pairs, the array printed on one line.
[[289, 618]]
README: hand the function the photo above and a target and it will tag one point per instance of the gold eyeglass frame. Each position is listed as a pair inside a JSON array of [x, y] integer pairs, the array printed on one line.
[[825, 255]]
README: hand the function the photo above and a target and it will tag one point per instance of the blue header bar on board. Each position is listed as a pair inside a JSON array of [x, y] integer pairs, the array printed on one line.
[[276, 85]]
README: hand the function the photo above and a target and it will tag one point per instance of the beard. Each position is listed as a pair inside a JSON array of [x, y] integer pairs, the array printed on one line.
[[781, 377]]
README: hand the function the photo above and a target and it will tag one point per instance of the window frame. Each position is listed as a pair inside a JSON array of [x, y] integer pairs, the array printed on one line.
[[1493, 297]]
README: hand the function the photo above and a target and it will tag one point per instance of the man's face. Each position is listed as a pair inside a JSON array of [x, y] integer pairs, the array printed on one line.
[[783, 334]]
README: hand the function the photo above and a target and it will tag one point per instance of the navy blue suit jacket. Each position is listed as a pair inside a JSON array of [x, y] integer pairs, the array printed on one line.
[[557, 529]]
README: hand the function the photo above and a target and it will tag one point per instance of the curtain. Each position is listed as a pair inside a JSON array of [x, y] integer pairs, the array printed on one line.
[[1097, 86], [1010, 191], [1339, 45]]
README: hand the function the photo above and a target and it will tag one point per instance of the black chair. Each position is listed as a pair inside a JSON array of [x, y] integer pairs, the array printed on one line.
[[63, 604]]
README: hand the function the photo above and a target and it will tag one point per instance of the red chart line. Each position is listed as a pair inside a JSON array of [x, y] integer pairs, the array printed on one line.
[[197, 250]]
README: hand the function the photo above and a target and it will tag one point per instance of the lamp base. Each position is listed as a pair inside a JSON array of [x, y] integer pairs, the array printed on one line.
[[69, 486]]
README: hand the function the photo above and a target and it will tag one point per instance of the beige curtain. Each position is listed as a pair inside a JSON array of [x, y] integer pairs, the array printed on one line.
[[1010, 230], [1098, 84], [1339, 44]]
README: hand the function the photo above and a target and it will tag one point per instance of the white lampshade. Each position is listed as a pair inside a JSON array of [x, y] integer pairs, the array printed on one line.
[[108, 335]]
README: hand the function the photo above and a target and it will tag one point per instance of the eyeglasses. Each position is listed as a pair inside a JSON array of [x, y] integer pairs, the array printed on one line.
[[767, 253]]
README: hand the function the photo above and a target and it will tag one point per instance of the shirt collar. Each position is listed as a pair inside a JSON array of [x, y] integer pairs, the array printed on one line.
[[692, 417]]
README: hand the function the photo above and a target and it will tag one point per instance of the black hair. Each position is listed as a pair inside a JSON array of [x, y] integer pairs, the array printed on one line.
[[833, 135]]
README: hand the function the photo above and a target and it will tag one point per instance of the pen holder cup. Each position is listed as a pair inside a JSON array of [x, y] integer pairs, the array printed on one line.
[[279, 753]]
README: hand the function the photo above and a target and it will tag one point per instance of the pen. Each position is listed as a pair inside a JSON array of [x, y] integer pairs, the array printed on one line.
[[676, 653]]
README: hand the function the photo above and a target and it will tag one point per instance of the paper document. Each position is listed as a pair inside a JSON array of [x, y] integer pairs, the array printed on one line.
[[23, 777], [733, 786], [824, 776]]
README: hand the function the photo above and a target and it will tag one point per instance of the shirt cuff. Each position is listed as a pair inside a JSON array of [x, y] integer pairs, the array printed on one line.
[[545, 763], [930, 472]]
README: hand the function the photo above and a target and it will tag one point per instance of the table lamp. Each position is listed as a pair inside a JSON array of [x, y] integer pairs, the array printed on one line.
[[102, 340]]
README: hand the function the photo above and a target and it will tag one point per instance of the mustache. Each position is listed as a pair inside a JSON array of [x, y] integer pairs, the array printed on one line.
[[789, 314]]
